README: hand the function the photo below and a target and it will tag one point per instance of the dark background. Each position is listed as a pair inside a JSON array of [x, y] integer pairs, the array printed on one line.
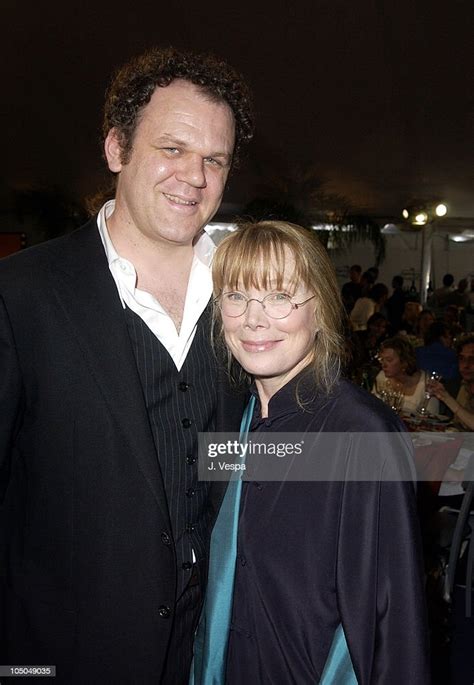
[[376, 97]]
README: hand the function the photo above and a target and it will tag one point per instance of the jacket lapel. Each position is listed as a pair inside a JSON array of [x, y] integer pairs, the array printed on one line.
[[88, 296], [230, 408]]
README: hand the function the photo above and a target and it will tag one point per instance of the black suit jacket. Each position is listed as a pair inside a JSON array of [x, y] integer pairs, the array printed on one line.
[[84, 502]]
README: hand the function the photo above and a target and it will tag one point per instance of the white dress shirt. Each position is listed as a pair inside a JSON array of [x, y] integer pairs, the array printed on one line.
[[147, 306]]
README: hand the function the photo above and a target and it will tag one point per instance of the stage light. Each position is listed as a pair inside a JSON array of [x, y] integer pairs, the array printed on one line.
[[420, 219], [420, 212]]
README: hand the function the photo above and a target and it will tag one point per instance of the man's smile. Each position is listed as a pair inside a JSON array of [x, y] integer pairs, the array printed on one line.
[[175, 199]]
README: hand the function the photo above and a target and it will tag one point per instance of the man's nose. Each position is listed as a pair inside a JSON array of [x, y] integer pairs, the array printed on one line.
[[192, 171]]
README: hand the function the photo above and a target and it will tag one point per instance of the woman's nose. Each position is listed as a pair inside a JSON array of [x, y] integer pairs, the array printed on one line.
[[255, 315]]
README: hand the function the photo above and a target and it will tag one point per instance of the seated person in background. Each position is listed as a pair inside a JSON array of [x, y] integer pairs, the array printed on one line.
[[375, 333], [469, 311], [425, 319], [364, 349], [399, 371], [352, 290], [396, 304], [367, 281], [451, 319], [459, 297], [470, 297], [460, 413], [437, 353], [368, 305], [464, 391], [374, 271], [408, 324], [439, 299]]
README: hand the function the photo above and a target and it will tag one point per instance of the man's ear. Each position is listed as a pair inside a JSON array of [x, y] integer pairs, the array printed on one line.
[[113, 151]]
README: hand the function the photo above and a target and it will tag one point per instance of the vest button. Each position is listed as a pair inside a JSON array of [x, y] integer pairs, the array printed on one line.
[[165, 538], [186, 423], [183, 386], [190, 528], [187, 566], [164, 611], [190, 492], [191, 459]]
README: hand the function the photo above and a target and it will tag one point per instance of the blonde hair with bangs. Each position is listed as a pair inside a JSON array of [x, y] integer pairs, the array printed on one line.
[[253, 255]]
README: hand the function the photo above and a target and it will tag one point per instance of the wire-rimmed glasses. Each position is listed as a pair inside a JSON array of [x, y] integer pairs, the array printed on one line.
[[275, 305]]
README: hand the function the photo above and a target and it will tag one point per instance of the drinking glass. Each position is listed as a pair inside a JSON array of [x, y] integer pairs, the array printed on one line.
[[390, 393], [430, 377]]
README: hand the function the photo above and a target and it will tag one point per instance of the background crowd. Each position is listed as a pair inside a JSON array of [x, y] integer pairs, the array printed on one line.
[[392, 339], [395, 347]]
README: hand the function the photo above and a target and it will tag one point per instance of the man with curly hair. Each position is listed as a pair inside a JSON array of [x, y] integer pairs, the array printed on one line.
[[107, 376]]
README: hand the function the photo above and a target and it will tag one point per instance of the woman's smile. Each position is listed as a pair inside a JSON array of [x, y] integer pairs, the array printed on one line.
[[259, 345]]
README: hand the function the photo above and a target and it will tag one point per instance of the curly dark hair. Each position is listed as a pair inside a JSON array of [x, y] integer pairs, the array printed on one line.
[[464, 340], [134, 84], [405, 351]]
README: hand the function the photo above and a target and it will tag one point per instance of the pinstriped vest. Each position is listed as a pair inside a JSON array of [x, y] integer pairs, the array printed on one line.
[[180, 404]]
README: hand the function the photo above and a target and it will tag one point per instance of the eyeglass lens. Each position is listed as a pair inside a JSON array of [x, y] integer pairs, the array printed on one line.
[[276, 305]]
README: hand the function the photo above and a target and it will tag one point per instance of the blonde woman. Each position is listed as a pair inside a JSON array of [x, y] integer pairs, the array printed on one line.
[[323, 583]]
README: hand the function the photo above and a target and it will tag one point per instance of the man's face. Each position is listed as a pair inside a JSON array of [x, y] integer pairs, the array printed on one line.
[[379, 327], [466, 363], [172, 185], [412, 309], [354, 275]]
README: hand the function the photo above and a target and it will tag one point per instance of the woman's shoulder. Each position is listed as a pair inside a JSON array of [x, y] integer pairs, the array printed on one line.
[[355, 409], [420, 377]]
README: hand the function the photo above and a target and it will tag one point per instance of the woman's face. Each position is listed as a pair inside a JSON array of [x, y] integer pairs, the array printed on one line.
[[390, 363], [425, 322], [412, 309], [447, 339], [273, 350], [378, 328]]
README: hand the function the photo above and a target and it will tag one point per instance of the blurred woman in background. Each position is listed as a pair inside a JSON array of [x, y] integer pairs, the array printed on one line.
[[399, 372], [425, 319]]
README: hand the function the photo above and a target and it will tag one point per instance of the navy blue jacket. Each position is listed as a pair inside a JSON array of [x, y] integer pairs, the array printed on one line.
[[313, 555]]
